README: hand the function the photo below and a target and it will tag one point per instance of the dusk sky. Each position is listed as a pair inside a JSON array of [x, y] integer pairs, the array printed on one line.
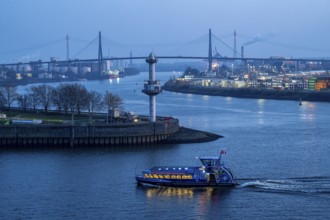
[[36, 29]]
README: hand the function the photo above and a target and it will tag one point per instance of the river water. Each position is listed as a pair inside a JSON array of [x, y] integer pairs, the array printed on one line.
[[279, 152]]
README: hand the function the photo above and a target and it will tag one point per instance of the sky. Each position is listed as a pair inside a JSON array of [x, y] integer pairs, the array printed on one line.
[[36, 29]]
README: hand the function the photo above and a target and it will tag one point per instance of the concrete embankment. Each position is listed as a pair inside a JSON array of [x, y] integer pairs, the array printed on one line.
[[46, 135], [304, 95]]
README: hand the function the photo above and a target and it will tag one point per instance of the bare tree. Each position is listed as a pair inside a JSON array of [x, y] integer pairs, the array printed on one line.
[[9, 94], [65, 97], [23, 101], [57, 99], [95, 103], [2, 100], [44, 93], [72, 97], [34, 97], [80, 97], [112, 102]]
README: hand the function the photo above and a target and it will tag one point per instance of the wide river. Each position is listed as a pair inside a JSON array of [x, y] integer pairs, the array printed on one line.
[[278, 150]]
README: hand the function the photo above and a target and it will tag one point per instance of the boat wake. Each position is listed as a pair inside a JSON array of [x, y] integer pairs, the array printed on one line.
[[318, 186]]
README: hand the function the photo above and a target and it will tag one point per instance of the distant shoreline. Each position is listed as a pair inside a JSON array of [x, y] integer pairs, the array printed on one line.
[[317, 96], [33, 81]]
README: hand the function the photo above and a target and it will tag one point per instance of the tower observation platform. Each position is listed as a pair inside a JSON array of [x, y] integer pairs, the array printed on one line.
[[152, 87]]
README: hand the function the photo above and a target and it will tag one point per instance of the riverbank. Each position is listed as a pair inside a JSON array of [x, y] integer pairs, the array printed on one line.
[[33, 81], [318, 96]]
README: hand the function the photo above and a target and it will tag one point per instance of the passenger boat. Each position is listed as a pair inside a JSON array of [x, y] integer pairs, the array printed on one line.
[[211, 173]]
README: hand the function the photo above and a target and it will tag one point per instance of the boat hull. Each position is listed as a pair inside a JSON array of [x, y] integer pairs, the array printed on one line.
[[190, 183]]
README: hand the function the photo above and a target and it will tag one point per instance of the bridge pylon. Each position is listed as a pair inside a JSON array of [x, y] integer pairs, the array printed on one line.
[[235, 45], [67, 47], [100, 55], [210, 52]]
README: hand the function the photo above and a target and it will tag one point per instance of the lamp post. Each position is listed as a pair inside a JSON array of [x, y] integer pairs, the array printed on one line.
[[72, 119], [72, 129], [106, 95]]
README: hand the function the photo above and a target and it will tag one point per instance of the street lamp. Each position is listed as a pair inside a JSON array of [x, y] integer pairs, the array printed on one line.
[[106, 99]]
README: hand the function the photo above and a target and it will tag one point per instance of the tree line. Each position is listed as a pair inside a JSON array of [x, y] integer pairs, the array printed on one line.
[[68, 98]]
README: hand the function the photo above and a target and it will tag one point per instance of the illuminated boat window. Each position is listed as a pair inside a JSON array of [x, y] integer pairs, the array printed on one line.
[[166, 168], [178, 177], [167, 176], [173, 168], [160, 176], [184, 177], [156, 176], [188, 177], [186, 168], [150, 176], [159, 168], [179, 168], [173, 176], [146, 175]]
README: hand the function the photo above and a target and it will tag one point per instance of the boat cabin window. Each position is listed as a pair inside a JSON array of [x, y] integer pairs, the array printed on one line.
[[148, 175], [167, 176], [185, 177]]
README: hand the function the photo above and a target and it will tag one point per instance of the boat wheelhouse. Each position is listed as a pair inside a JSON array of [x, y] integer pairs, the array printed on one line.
[[211, 173]]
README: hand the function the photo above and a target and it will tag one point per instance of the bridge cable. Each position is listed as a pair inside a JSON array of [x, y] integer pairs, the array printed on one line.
[[223, 42], [34, 47], [84, 48]]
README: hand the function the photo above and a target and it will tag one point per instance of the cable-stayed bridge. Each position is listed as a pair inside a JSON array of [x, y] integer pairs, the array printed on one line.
[[212, 53]]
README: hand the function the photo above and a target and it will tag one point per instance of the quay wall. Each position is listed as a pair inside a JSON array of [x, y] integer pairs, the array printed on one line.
[[304, 95], [44, 135]]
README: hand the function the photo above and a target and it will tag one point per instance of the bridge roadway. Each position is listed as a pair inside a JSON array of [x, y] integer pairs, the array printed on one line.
[[166, 57]]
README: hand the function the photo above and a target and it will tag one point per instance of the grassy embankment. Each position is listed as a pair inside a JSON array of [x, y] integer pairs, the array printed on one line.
[[51, 117]]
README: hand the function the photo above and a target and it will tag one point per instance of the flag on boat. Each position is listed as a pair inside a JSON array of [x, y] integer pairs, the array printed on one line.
[[223, 152]]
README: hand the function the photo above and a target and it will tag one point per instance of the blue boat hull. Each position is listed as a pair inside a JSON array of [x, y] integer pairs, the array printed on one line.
[[179, 183]]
